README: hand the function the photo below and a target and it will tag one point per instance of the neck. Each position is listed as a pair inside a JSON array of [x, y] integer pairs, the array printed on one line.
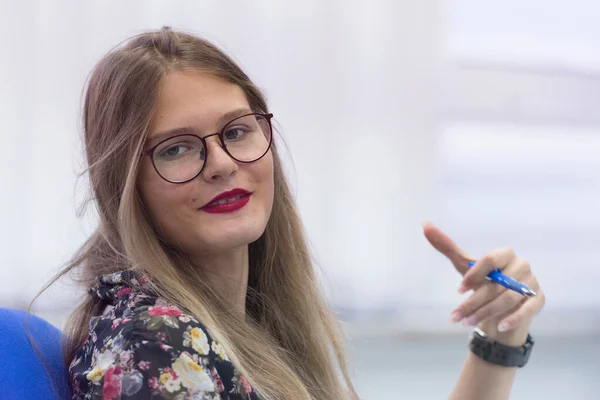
[[227, 273]]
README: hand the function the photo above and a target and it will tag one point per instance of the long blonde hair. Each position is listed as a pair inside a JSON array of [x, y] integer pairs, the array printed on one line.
[[290, 347]]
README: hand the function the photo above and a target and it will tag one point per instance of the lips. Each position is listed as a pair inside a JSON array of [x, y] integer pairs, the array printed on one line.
[[226, 201], [227, 198]]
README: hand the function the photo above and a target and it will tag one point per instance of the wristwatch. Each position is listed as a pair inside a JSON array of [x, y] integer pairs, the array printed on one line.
[[498, 353]]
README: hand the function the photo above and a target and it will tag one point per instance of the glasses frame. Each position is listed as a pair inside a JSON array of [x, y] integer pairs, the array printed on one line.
[[150, 152]]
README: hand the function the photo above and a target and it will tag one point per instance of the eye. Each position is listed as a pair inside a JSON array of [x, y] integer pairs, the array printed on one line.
[[235, 133], [175, 150]]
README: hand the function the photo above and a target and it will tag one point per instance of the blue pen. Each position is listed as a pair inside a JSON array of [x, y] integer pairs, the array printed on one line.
[[498, 277]]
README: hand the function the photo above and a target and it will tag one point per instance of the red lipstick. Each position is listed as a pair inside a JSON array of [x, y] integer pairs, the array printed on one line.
[[227, 202]]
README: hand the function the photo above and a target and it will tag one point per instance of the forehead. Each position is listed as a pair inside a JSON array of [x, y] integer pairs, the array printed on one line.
[[194, 99]]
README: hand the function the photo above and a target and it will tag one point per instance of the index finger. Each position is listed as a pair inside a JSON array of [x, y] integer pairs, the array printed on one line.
[[442, 243]]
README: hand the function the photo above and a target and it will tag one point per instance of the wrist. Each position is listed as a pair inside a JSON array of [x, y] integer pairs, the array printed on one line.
[[504, 355], [515, 337]]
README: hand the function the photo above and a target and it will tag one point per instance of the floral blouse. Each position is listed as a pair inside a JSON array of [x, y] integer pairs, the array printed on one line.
[[143, 348]]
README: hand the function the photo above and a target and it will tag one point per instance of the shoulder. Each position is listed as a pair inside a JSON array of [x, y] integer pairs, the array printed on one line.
[[173, 331], [141, 345], [137, 318]]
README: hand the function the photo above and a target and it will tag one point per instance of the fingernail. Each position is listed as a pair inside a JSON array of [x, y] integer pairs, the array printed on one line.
[[503, 327], [463, 288], [471, 321], [456, 317]]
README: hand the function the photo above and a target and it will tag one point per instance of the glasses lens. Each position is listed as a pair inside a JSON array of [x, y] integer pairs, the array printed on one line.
[[179, 158], [247, 138]]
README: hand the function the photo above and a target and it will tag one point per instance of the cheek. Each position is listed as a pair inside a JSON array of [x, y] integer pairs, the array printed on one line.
[[267, 180], [163, 199]]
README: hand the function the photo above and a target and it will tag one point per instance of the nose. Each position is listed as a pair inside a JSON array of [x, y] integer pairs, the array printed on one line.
[[218, 164]]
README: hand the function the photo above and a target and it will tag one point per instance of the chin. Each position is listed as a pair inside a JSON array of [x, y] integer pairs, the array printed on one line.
[[228, 244], [229, 239]]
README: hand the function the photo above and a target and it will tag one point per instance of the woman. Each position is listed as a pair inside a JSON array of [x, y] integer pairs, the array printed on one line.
[[200, 280]]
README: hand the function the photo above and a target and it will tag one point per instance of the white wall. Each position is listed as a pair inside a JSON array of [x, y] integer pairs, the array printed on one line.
[[518, 150], [355, 77], [380, 82]]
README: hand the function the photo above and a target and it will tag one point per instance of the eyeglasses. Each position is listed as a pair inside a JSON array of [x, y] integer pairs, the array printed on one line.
[[181, 158]]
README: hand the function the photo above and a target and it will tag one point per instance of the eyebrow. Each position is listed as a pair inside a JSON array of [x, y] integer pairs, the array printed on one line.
[[223, 119]]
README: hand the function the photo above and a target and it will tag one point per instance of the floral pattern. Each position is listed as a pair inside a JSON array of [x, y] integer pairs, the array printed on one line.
[[143, 348]]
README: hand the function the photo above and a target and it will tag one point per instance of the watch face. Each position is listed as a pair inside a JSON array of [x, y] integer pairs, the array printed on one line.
[[479, 332]]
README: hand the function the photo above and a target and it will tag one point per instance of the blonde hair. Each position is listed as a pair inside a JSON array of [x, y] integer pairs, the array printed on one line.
[[290, 347]]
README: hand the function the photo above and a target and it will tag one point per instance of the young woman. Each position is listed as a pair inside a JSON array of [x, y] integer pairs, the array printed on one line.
[[199, 278]]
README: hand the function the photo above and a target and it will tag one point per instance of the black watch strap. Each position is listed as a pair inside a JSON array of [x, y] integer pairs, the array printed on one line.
[[498, 353]]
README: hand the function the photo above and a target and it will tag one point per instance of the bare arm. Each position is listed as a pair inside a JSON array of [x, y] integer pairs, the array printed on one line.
[[481, 380], [490, 306]]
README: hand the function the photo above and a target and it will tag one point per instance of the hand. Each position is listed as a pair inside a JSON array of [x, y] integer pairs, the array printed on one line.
[[502, 314]]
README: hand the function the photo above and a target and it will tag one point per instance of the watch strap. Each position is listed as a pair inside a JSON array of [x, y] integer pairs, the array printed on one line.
[[498, 353]]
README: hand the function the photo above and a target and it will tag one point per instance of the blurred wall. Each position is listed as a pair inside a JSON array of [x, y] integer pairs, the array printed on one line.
[[393, 112], [518, 154]]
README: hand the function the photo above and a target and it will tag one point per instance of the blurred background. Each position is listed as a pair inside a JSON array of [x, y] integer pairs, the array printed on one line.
[[481, 116]]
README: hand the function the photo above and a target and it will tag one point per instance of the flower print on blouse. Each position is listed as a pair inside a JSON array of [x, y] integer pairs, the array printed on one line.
[[143, 348]]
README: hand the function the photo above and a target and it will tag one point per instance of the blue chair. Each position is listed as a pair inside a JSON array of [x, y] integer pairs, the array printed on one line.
[[23, 374]]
